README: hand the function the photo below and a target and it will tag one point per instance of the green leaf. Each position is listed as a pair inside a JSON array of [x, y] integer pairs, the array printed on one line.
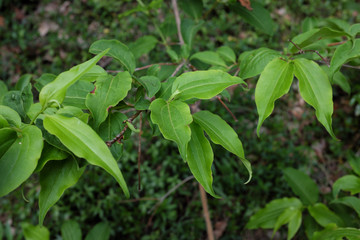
[[50, 153], [349, 183], [333, 233], [76, 94], [294, 225], [259, 17], [143, 45], [49, 138], [173, 119], [302, 185], [193, 8], [93, 74], [354, 29], [23, 82], [209, 57], [266, 217], [3, 122], [151, 84], [286, 217], [109, 92], [354, 163], [20, 159], [309, 23], [304, 39], [32, 232], [253, 62], [221, 133], [7, 138], [10, 115], [200, 158], [324, 216], [166, 87], [316, 90], [111, 127], [227, 54], [203, 84], [43, 80], [343, 54], [338, 78], [3, 90], [274, 82], [189, 29], [70, 230], [338, 24], [350, 201], [55, 91], [81, 139], [20, 101], [70, 111], [55, 178], [118, 51], [101, 229]]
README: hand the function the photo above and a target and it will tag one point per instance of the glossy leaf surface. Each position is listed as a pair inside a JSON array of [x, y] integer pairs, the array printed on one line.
[[109, 92], [83, 141], [221, 133], [20, 159], [173, 119], [316, 90], [118, 51], [200, 158], [203, 84], [274, 82], [56, 90]]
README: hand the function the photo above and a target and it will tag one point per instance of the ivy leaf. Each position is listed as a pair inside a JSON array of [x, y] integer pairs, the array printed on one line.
[[203, 84], [55, 178], [200, 158], [302, 185], [118, 51], [109, 91], [173, 119], [32, 232], [151, 84], [19, 160], [221, 133], [343, 54], [209, 57], [253, 62], [227, 54], [143, 45], [83, 141], [56, 90], [70, 230], [274, 82], [324, 216], [349, 183], [316, 90]]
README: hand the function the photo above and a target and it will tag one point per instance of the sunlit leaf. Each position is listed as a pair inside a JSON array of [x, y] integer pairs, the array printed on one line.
[[10, 115]]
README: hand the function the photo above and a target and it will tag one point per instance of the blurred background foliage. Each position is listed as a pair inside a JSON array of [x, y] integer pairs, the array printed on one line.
[[51, 36]]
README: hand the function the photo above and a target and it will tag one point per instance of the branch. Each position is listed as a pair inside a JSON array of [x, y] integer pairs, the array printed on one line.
[[204, 204], [301, 51], [120, 136], [178, 68], [178, 21], [227, 109]]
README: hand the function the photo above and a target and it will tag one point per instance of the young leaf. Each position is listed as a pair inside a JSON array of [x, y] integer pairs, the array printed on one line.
[[302, 185], [274, 82], [316, 90], [253, 62], [226, 53], [209, 57], [337, 233], [101, 229], [266, 217], [76, 94], [324, 216], [173, 119], [143, 45], [70, 230], [11, 116], [56, 90], [20, 159], [118, 51], [32, 232], [259, 17], [349, 183], [109, 92], [203, 84], [344, 53], [55, 178], [81, 139], [221, 133], [304, 39], [200, 158], [350, 201], [151, 84]]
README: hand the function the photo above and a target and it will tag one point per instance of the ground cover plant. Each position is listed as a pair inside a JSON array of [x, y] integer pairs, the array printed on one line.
[[55, 127]]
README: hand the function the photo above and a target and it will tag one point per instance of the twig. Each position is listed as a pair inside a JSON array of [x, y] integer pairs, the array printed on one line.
[[336, 43], [139, 153], [204, 204], [178, 21], [193, 68], [227, 109], [178, 68], [237, 72], [120, 136], [301, 51]]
